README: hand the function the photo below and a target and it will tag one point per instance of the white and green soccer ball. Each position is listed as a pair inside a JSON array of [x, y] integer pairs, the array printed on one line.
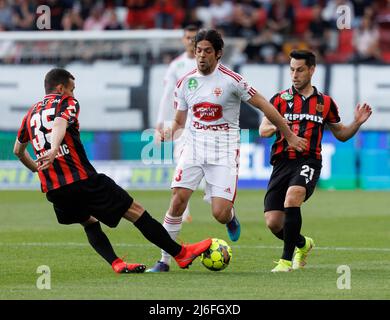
[[218, 256]]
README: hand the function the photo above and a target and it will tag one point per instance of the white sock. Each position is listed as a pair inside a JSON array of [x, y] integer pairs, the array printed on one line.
[[186, 212], [173, 226]]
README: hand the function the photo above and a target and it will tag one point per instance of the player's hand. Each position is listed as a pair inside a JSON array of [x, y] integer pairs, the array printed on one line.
[[45, 161], [362, 113], [158, 135], [167, 135], [298, 143]]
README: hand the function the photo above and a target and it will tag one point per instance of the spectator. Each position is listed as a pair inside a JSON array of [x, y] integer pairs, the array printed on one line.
[[6, 15], [318, 34], [72, 21], [84, 8], [366, 42], [96, 21], [245, 17], [281, 17], [23, 15], [264, 48], [138, 16], [191, 18], [218, 15], [112, 21], [164, 14]]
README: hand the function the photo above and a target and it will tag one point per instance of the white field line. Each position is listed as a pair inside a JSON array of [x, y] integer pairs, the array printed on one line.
[[82, 244]]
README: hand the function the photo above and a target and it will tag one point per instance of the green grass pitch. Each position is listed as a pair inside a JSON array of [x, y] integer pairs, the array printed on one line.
[[349, 227]]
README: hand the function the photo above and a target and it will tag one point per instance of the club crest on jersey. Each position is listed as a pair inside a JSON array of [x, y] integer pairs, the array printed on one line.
[[286, 96], [192, 84], [207, 111], [217, 92], [319, 107]]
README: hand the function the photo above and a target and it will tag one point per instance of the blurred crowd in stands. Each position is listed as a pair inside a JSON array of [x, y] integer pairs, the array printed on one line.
[[271, 27]]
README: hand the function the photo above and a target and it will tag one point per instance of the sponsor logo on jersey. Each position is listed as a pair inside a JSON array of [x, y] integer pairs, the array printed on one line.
[[217, 92], [303, 116], [319, 107], [207, 111], [286, 96], [213, 127], [290, 104], [192, 84]]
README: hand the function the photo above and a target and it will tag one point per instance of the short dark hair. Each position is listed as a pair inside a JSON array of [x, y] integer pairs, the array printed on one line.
[[308, 56], [191, 27], [55, 77], [211, 35]]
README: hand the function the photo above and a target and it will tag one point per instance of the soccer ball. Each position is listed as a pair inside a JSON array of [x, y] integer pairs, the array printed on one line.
[[218, 256]]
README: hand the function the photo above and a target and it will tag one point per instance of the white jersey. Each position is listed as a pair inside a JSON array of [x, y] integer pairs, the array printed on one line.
[[213, 103], [177, 69]]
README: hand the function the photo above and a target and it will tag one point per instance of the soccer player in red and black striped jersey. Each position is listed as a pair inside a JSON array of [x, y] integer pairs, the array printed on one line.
[[295, 173], [78, 193]]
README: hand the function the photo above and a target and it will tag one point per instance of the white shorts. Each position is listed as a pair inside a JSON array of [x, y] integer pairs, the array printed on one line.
[[221, 181]]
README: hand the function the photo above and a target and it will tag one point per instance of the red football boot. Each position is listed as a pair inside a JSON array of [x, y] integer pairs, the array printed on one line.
[[119, 266], [190, 252]]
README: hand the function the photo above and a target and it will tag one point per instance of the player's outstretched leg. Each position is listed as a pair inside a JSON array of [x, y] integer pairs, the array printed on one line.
[[99, 241], [301, 254], [156, 233]]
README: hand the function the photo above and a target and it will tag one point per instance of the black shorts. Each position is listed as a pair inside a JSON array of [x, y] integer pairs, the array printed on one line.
[[286, 173], [98, 196]]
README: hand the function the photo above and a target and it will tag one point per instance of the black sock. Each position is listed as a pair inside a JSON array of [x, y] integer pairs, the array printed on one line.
[[156, 233], [99, 241], [279, 234], [292, 229], [301, 239]]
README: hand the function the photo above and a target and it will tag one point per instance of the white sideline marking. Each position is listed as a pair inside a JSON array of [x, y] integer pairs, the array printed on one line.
[[81, 244]]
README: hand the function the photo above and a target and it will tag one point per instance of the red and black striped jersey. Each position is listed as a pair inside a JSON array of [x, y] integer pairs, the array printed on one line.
[[71, 163], [308, 117]]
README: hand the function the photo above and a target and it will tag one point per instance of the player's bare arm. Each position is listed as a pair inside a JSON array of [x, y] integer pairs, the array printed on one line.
[[267, 128], [274, 117], [177, 126], [20, 150], [58, 134], [343, 132]]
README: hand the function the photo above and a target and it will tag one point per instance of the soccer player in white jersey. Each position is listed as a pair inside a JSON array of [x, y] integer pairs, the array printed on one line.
[[177, 69], [211, 95]]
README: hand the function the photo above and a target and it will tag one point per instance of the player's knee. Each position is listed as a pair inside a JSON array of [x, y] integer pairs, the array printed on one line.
[[273, 223]]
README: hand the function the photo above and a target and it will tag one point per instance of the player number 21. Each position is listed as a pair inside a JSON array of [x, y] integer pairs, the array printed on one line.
[[37, 122], [307, 172]]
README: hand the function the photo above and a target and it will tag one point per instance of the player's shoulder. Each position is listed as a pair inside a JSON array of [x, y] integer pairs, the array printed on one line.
[[285, 94], [68, 99], [179, 59], [229, 74], [185, 78]]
